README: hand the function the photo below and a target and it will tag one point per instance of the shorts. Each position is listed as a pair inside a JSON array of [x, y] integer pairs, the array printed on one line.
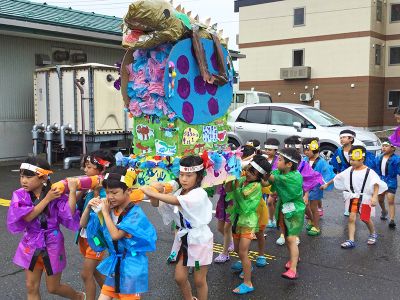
[[243, 233], [220, 210], [391, 191], [88, 252], [110, 292], [316, 193], [354, 205]]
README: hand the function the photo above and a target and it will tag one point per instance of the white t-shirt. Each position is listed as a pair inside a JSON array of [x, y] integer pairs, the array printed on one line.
[[383, 165]]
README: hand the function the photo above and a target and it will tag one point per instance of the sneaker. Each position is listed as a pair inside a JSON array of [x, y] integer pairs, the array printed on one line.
[[231, 247], [271, 224], [222, 258], [346, 213], [321, 212], [384, 215], [372, 239], [392, 224], [281, 240]]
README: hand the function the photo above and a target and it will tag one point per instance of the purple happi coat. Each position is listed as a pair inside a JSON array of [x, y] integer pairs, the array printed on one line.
[[311, 178], [49, 243]]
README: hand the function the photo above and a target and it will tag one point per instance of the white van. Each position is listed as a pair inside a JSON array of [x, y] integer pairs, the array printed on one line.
[[241, 98]]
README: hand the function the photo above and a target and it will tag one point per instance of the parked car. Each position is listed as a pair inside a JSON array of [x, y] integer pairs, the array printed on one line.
[[281, 120], [241, 98]]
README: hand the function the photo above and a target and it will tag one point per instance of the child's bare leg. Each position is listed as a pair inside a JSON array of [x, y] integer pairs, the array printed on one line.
[[315, 213], [88, 277], [261, 243], [271, 208], [200, 281], [370, 226], [352, 225], [99, 278], [244, 257], [227, 237], [54, 286], [220, 226], [293, 251], [392, 208], [308, 212], [181, 278], [320, 204], [32, 282], [381, 199], [236, 245]]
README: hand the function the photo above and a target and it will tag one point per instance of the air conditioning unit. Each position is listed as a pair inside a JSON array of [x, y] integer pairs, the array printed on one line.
[[296, 73], [305, 97]]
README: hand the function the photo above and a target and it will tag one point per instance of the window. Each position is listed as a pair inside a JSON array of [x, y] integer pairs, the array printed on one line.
[[395, 13], [264, 98], [394, 53], [298, 58], [298, 16], [242, 116], [393, 99], [239, 98], [379, 10], [378, 54], [285, 118], [256, 116]]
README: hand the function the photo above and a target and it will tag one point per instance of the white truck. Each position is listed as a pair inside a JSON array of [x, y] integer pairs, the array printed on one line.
[[243, 97]]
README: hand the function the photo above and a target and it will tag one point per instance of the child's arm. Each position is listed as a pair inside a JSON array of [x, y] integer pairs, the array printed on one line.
[[73, 187], [115, 233], [326, 185], [166, 198], [38, 209], [86, 213], [374, 199]]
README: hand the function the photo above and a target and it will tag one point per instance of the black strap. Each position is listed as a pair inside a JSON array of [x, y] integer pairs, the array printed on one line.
[[42, 217], [314, 165], [120, 255], [46, 261], [364, 182]]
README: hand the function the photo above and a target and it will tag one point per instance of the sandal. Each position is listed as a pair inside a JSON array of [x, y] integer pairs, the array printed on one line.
[[222, 258], [261, 261], [348, 244], [288, 264], [241, 275], [243, 289], [237, 266], [289, 274], [309, 226], [314, 231], [372, 239]]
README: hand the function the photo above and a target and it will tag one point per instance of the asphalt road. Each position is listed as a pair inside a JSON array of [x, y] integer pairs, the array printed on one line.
[[326, 271]]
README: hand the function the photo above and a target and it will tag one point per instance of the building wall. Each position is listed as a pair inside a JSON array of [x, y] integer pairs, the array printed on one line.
[[339, 40], [17, 63]]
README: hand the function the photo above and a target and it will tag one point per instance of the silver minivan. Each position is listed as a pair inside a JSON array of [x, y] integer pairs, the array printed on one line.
[[281, 120]]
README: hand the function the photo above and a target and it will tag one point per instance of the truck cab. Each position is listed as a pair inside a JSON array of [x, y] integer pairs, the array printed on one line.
[[243, 97]]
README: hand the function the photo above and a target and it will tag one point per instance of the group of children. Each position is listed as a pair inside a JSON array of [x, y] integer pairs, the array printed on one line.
[[278, 188]]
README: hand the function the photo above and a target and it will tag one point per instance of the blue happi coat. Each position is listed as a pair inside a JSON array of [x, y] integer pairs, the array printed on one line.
[[392, 170]]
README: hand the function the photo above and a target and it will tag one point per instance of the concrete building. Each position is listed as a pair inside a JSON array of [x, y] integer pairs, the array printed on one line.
[[343, 53], [34, 35]]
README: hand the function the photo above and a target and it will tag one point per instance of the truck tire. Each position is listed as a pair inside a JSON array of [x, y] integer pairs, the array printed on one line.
[[326, 151]]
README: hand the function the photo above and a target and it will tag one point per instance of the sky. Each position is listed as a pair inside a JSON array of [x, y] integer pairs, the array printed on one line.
[[220, 11]]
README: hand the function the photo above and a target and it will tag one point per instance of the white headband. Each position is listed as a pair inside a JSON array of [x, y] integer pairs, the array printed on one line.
[[289, 157], [297, 146], [347, 134], [257, 167], [34, 169], [386, 143], [191, 169], [272, 147]]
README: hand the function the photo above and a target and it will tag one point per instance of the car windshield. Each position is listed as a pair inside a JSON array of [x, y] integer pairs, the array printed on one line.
[[320, 117]]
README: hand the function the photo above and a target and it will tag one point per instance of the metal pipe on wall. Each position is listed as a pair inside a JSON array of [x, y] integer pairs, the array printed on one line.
[[48, 137], [79, 83], [35, 136], [64, 129]]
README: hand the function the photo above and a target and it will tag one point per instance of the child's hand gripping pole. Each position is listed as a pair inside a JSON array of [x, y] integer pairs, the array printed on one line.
[[84, 183]]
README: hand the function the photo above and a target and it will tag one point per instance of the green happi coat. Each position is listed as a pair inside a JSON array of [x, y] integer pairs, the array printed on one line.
[[289, 188], [245, 202]]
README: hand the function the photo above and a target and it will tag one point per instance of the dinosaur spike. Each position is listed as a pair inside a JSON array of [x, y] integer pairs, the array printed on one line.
[[197, 18], [226, 40], [183, 10], [179, 8], [189, 14], [221, 32], [171, 2], [207, 22]]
